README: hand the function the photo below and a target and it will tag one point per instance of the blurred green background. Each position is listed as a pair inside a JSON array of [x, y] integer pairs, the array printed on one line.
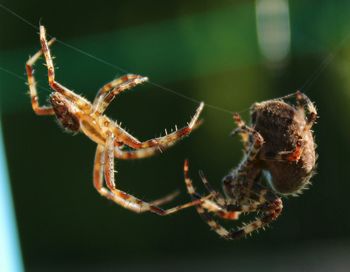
[[226, 53]]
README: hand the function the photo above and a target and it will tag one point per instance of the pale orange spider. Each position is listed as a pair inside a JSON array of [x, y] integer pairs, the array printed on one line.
[[75, 114]]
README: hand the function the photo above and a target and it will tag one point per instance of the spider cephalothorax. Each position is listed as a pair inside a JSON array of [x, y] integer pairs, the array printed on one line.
[[279, 160], [76, 114]]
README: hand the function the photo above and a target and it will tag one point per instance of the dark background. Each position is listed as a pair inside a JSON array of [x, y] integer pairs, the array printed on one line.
[[205, 50]]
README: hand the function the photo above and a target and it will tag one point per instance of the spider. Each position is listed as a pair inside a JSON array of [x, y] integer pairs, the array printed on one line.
[[75, 114], [279, 148]]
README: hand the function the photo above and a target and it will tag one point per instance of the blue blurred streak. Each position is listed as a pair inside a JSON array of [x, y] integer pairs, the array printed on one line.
[[10, 254]]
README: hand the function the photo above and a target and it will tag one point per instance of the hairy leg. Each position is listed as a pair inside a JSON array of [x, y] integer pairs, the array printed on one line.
[[104, 167], [270, 209], [305, 103], [167, 140], [82, 103], [241, 131], [39, 110], [110, 90]]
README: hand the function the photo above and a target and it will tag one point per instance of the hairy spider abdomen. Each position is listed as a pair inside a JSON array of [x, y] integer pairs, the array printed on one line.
[[288, 153]]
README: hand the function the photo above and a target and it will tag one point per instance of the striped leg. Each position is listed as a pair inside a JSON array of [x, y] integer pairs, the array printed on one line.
[[140, 153], [108, 92], [82, 103], [290, 156], [241, 131], [229, 208], [246, 132], [270, 211], [236, 183], [304, 102], [136, 154], [151, 147], [201, 209], [171, 138], [167, 140], [106, 157], [104, 166], [39, 110], [98, 182]]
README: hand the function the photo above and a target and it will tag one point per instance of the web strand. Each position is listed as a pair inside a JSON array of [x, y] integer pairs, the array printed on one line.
[[324, 64], [112, 65], [25, 79], [311, 79]]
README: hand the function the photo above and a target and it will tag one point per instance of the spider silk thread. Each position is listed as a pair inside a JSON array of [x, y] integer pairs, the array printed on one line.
[[308, 83], [112, 65]]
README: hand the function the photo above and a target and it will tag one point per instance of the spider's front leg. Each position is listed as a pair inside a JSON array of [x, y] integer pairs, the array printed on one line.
[[82, 103], [304, 102], [39, 110], [106, 95]]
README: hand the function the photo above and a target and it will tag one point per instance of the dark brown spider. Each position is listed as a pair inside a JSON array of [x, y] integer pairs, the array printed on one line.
[[279, 159], [76, 114]]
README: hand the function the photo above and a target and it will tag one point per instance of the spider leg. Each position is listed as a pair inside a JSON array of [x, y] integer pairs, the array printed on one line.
[[270, 212], [104, 166], [110, 90], [290, 156], [122, 198], [164, 141], [229, 208], [97, 132], [271, 209], [206, 216], [166, 199], [241, 125], [303, 102], [253, 150], [245, 131], [135, 154], [82, 103], [140, 153], [39, 110], [98, 180]]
